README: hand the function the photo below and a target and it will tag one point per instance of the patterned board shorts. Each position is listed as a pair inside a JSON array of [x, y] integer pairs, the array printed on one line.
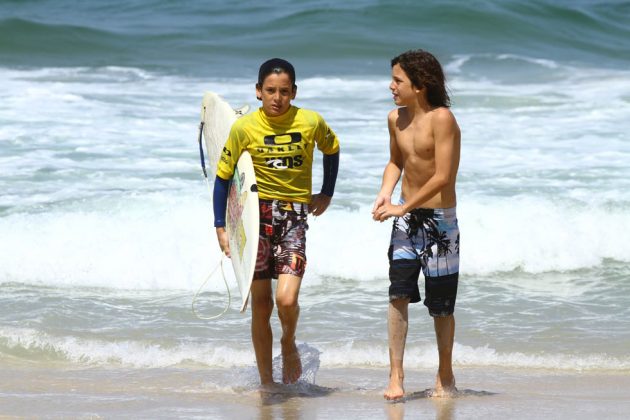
[[426, 239], [282, 239]]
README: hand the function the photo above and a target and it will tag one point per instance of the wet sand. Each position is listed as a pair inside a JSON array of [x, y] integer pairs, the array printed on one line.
[[28, 391]]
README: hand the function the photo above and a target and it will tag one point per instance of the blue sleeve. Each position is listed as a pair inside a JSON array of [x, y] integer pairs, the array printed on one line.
[[219, 200], [331, 167]]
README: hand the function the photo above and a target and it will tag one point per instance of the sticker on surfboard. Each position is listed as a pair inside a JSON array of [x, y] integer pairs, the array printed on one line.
[[242, 218]]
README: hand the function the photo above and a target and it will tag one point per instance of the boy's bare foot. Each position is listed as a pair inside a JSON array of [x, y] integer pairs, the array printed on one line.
[[444, 388], [291, 363], [395, 389]]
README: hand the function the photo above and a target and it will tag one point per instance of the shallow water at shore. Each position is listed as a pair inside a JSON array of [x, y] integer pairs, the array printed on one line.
[[357, 393]]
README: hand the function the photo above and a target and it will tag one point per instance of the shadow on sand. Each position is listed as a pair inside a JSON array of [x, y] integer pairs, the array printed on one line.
[[430, 393], [444, 406], [281, 393]]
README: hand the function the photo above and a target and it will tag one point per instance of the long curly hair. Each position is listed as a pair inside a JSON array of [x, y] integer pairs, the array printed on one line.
[[424, 70]]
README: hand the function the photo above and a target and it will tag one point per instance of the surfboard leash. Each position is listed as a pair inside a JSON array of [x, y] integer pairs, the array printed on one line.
[[229, 300], [203, 160]]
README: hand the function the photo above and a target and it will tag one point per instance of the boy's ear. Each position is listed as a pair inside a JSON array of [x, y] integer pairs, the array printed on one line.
[[418, 89], [258, 91]]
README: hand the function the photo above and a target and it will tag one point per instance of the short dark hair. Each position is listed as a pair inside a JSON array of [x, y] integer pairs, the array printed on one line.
[[276, 65], [424, 70]]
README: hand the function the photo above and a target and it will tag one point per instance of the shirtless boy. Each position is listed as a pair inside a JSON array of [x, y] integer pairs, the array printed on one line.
[[424, 150]]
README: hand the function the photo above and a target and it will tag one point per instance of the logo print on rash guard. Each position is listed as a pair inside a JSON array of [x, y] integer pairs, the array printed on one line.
[[282, 139], [282, 143], [284, 162]]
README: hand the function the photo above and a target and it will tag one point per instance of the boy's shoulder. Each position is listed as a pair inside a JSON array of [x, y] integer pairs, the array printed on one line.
[[309, 115], [442, 114], [442, 117], [399, 117], [397, 113]]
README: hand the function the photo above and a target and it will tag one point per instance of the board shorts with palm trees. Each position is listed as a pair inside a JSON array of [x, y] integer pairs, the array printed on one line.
[[282, 239], [427, 240]]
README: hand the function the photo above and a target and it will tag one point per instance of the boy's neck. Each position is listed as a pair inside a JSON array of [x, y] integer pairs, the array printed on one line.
[[419, 107]]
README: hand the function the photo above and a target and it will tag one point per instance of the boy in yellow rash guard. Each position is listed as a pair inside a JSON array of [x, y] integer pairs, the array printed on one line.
[[281, 149], [281, 139]]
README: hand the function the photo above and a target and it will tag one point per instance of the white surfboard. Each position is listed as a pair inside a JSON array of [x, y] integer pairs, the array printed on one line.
[[242, 221]]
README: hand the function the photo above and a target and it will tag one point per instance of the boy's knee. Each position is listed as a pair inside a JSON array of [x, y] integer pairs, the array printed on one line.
[[262, 305], [286, 303]]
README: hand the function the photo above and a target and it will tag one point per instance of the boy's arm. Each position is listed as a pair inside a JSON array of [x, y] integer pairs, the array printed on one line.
[[320, 202], [225, 170], [219, 204], [328, 144], [393, 168]]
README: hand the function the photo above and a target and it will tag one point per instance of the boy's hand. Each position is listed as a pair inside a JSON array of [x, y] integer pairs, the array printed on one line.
[[319, 204], [224, 241], [380, 201], [387, 210]]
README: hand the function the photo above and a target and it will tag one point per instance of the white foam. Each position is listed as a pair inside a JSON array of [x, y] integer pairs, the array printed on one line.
[[123, 352], [532, 234], [426, 356], [539, 235], [160, 241], [151, 243], [101, 186], [138, 354]]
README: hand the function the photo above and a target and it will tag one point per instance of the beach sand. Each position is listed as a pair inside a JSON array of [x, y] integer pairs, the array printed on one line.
[[193, 392]]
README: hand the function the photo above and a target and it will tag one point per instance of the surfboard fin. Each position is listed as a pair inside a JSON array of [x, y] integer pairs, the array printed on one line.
[[241, 111]]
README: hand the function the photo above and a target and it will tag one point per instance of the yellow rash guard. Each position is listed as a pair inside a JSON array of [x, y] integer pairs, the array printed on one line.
[[282, 151]]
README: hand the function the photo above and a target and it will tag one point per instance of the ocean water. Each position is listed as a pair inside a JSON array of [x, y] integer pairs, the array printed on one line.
[[105, 220]]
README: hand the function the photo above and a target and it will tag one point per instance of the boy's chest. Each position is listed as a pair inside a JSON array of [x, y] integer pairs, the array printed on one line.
[[417, 141]]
